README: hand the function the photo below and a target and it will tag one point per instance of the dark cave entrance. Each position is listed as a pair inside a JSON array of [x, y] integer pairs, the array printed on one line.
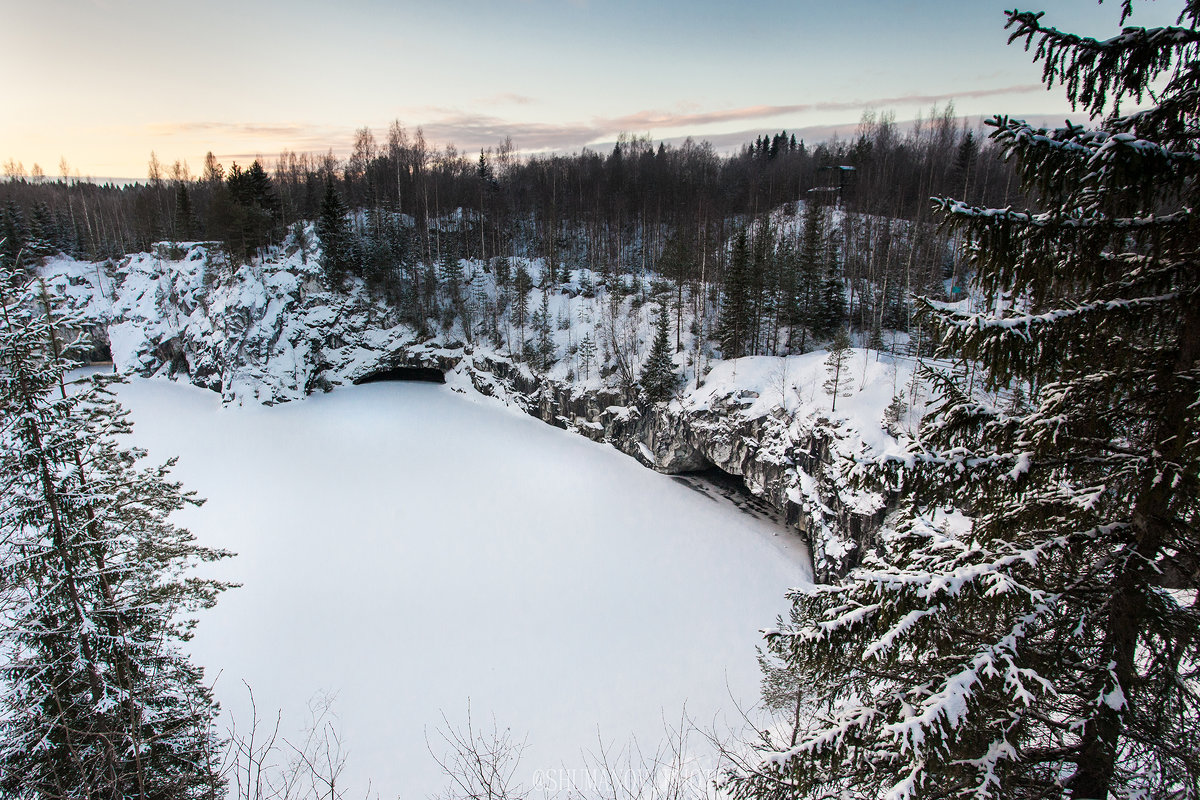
[[423, 374], [712, 480]]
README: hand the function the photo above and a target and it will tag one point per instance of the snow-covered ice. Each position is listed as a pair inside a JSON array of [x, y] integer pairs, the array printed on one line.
[[405, 548]]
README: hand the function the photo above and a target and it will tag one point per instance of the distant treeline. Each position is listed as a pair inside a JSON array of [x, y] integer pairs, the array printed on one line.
[[674, 209]]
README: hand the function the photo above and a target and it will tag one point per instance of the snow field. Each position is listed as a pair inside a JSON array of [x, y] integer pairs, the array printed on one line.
[[405, 549]]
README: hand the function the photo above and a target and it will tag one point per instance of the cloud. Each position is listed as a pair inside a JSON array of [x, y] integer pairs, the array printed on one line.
[[644, 120], [470, 131], [251, 129], [475, 130], [506, 99]]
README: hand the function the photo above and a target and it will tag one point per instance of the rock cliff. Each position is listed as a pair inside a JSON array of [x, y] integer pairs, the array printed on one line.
[[273, 332]]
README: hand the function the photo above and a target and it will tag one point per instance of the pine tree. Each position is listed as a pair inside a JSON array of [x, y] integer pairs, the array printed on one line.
[[1043, 641], [333, 231], [658, 379], [99, 700]]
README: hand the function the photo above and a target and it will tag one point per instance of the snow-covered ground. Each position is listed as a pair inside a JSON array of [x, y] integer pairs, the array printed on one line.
[[407, 548]]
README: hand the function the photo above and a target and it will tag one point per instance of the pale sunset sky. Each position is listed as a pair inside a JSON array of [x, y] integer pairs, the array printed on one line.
[[101, 83]]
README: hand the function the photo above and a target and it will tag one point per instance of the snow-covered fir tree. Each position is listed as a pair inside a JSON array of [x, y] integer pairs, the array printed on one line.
[[1043, 640], [659, 380], [98, 699]]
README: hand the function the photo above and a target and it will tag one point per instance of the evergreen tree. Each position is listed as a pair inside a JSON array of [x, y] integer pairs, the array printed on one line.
[[98, 699], [450, 275], [761, 289], [787, 306], [66, 239], [545, 342], [830, 312], [185, 215], [964, 166], [42, 232], [333, 231], [249, 220], [264, 207], [809, 269], [587, 354], [13, 235], [836, 366], [1045, 645], [734, 323], [658, 379], [522, 285]]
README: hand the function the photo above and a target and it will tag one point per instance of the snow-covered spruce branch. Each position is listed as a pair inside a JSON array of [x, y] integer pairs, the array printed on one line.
[[1096, 149], [1055, 221], [1090, 70]]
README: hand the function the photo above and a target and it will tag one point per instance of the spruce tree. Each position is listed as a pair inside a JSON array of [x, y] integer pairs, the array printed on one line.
[[587, 353], [836, 366], [185, 215], [522, 285], [450, 275], [658, 379], [830, 312], [963, 169], [42, 232], [734, 324], [761, 287], [98, 698], [1044, 639], [809, 270], [333, 231], [545, 343], [13, 236]]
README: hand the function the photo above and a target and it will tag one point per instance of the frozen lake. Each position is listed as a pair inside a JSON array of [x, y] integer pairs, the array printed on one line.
[[404, 549]]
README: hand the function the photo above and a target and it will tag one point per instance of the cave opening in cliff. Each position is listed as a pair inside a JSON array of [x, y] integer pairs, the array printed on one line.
[[720, 478], [733, 487], [423, 374]]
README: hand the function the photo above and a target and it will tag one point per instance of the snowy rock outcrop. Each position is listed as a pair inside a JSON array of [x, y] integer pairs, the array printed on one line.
[[268, 332], [271, 332], [795, 455]]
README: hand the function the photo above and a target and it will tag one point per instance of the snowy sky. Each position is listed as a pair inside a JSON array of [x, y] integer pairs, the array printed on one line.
[[103, 82]]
